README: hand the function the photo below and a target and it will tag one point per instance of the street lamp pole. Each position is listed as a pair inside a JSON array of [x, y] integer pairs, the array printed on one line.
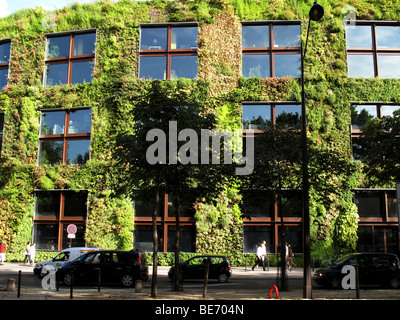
[[315, 14]]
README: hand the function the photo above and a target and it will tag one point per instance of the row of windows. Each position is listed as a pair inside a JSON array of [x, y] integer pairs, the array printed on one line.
[[269, 49]]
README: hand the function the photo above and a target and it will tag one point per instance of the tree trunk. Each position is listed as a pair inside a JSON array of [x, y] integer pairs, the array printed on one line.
[[155, 248]]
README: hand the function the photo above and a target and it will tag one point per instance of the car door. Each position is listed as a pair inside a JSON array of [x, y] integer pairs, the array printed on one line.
[[195, 268], [110, 268], [87, 269], [216, 267]]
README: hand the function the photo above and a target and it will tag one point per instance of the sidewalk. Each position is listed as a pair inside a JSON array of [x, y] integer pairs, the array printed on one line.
[[105, 293]]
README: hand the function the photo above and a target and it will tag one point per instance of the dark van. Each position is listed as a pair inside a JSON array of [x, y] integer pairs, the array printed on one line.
[[374, 269]]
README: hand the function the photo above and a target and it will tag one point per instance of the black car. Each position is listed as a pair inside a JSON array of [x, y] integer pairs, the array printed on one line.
[[123, 267], [195, 268], [374, 269]]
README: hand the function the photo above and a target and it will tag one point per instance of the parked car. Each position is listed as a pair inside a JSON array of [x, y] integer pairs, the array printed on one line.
[[374, 269], [60, 259], [194, 268], [123, 267]]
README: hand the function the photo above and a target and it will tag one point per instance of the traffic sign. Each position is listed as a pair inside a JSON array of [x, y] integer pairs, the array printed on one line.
[[71, 229]]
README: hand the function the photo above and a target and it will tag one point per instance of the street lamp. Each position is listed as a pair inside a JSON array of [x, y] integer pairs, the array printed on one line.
[[315, 14]]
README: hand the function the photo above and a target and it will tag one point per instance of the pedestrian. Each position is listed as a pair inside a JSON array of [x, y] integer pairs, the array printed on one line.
[[261, 253], [27, 252], [290, 257], [33, 253], [3, 247]]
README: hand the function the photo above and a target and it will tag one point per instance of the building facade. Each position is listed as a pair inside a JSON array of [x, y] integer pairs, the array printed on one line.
[[74, 79]]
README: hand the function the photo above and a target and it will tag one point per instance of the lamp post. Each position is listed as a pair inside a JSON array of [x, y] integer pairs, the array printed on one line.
[[315, 14]]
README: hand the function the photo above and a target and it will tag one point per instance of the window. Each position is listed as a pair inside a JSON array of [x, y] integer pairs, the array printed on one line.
[[259, 116], [361, 114], [70, 58], [271, 50], [373, 50], [5, 46], [168, 52], [54, 211], [377, 204], [65, 137]]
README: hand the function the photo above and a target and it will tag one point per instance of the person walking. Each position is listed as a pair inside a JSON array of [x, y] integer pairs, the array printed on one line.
[[3, 247], [33, 253], [27, 252], [261, 253]]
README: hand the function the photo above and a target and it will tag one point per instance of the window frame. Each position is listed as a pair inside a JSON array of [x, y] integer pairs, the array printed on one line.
[[374, 51], [66, 136], [272, 50], [168, 52], [6, 65], [71, 58]]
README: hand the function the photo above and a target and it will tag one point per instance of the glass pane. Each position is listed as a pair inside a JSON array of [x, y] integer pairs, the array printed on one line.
[[183, 67], [1, 124], [287, 65], [255, 65], [368, 204], [388, 66], [57, 47], [365, 239], [78, 151], [358, 36], [255, 36], [288, 116], [184, 38], [45, 236], [75, 204], [80, 121], [82, 72], [186, 208], [3, 78], [360, 65], [388, 110], [291, 204], [154, 68], [52, 122], [293, 236], [258, 204], [5, 52], [253, 236], [256, 117], [361, 115], [153, 39], [187, 239], [145, 207], [50, 153], [84, 44], [388, 37], [78, 241], [392, 204], [56, 74], [287, 36], [47, 204], [143, 238]]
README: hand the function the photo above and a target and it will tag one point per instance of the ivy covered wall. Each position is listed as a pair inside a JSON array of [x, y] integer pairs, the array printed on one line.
[[110, 210]]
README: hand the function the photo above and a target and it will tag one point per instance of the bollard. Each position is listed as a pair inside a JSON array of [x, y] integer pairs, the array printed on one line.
[[19, 284], [11, 285], [138, 286], [71, 288]]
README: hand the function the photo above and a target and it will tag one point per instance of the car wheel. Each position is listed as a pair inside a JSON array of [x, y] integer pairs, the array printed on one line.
[[336, 283], [223, 278], [68, 279], [394, 283], [127, 280]]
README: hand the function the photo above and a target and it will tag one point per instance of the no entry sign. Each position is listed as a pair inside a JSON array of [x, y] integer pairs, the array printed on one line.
[[71, 229]]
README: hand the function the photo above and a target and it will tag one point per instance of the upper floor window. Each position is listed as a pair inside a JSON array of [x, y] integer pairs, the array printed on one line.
[[65, 136], [259, 116], [70, 58], [373, 50], [271, 50], [5, 47], [168, 52]]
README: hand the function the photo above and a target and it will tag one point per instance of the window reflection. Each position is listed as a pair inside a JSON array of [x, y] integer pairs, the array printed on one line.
[[3, 78], [80, 121], [361, 115], [256, 117], [184, 38], [287, 65], [183, 67], [388, 110], [388, 66], [287, 36], [388, 36], [358, 37], [255, 36], [360, 65], [288, 116], [5, 52], [50, 153], [153, 39], [56, 74], [58, 47], [78, 151], [82, 72], [52, 123], [153, 68], [84, 44], [256, 65]]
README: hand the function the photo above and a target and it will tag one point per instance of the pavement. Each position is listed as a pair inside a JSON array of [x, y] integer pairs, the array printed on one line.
[[188, 293]]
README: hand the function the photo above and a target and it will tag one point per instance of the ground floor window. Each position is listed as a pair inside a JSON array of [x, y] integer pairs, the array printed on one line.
[[54, 212]]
